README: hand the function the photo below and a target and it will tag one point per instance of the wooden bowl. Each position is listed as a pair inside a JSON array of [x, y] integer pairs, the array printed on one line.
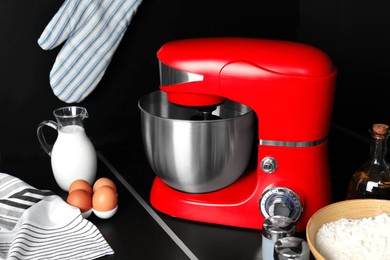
[[353, 209]]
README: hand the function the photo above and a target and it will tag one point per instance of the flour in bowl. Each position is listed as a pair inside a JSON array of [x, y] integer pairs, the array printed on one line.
[[365, 238]]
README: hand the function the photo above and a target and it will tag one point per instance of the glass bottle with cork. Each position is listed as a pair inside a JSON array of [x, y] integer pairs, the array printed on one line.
[[372, 180]]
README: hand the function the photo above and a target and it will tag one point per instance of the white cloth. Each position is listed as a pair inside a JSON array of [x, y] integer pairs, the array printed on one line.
[[36, 224], [93, 30]]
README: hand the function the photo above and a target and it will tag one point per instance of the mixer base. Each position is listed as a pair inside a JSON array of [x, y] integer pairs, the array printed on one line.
[[236, 205]]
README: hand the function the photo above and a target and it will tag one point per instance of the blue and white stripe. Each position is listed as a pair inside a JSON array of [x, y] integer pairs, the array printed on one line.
[[93, 30]]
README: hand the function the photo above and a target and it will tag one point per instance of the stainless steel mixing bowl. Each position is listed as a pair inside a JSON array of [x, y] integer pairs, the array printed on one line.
[[196, 156]]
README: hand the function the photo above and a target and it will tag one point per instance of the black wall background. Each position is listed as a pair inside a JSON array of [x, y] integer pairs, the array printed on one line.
[[354, 33]]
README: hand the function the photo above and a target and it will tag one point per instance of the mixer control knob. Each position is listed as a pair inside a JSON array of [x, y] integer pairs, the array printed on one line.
[[269, 165], [281, 201]]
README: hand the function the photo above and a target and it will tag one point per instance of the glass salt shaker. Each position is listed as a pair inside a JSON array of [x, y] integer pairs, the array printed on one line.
[[291, 248], [274, 228]]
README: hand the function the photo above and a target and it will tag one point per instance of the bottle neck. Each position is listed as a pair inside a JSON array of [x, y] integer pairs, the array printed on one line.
[[378, 149]]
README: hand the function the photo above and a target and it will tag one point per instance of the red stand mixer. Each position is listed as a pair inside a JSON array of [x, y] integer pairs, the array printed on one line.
[[290, 87]]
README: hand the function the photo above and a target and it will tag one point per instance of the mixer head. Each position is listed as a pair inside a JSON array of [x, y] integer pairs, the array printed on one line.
[[281, 81]]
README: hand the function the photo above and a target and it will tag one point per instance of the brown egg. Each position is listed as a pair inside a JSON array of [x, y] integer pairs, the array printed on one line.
[[81, 184], [103, 182], [104, 199], [81, 199]]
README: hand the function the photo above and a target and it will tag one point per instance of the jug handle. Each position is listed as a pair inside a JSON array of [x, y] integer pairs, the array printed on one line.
[[41, 137]]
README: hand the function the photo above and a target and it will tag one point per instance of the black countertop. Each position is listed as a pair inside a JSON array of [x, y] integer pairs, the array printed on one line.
[[137, 231]]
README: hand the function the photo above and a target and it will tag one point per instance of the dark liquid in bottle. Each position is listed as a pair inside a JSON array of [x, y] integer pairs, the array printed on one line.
[[361, 188], [380, 192]]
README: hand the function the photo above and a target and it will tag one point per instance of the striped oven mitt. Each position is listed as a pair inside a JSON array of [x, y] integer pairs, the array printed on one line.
[[93, 30], [36, 224]]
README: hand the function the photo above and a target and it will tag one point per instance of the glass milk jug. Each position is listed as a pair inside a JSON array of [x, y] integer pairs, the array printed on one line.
[[72, 155]]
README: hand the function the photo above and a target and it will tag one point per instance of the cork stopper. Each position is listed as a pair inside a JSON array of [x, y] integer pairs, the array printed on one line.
[[380, 129]]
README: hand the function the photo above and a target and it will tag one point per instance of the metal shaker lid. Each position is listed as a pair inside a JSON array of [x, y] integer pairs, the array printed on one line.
[[275, 227], [291, 248]]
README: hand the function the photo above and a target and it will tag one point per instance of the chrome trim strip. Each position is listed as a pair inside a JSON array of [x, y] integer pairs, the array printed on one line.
[[170, 76], [292, 144]]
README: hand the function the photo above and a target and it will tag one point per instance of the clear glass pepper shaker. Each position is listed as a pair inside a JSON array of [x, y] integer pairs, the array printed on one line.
[[275, 227]]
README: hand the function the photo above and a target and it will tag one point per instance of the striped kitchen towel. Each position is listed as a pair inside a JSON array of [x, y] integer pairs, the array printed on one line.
[[92, 30], [37, 224]]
